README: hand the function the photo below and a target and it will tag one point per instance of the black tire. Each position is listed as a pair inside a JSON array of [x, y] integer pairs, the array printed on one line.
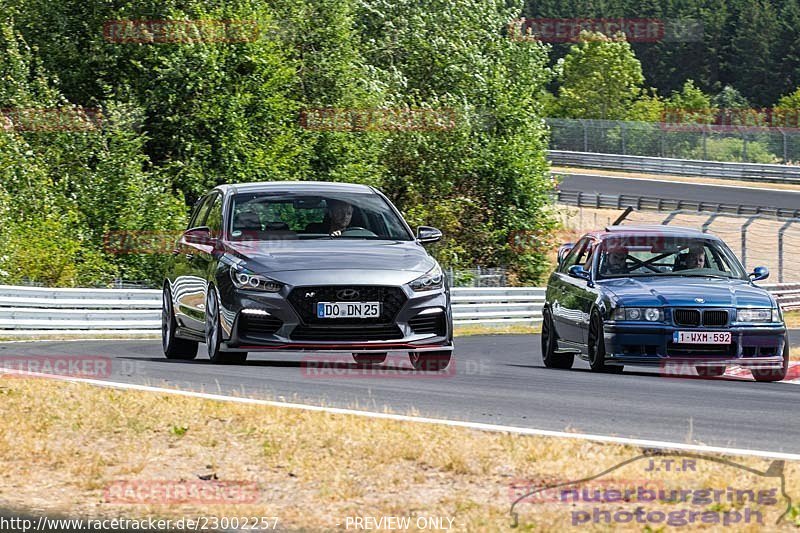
[[369, 359], [213, 333], [550, 358], [597, 348], [775, 374], [174, 347], [430, 361], [710, 371]]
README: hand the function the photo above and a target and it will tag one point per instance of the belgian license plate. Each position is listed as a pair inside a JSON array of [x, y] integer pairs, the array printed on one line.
[[348, 309], [702, 337]]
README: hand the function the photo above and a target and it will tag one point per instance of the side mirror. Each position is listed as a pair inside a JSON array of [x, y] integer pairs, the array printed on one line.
[[427, 234], [563, 250], [577, 271], [759, 273], [201, 235]]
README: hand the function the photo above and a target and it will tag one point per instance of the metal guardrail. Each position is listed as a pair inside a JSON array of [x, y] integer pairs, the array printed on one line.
[[28, 311], [677, 167], [62, 311], [647, 203]]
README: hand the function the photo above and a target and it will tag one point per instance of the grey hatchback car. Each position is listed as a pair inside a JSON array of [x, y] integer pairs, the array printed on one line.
[[305, 266]]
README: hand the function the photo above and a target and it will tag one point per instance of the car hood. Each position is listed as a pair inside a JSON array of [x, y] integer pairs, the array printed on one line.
[[334, 258], [682, 291]]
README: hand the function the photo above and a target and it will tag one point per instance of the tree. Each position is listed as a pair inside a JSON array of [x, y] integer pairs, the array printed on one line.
[[600, 77]]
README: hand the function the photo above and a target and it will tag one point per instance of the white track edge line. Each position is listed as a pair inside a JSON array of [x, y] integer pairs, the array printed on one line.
[[667, 445]]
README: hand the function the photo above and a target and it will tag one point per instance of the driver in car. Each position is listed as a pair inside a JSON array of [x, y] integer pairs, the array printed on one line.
[[337, 219], [696, 258], [340, 214]]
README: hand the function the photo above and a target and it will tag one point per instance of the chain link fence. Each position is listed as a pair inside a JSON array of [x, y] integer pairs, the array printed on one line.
[[680, 141]]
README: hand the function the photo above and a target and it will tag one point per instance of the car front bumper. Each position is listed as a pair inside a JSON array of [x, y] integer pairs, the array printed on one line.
[[759, 347], [401, 332]]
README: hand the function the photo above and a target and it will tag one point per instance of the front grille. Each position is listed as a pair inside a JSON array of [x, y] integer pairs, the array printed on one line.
[[701, 350], [686, 317], [715, 318], [257, 325], [433, 323], [334, 333], [392, 299]]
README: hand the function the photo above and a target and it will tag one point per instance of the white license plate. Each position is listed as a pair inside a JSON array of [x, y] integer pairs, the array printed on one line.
[[702, 337], [348, 309]]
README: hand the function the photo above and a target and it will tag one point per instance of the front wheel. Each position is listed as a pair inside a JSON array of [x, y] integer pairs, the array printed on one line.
[[214, 333], [174, 348], [550, 358], [597, 348], [430, 361], [774, 374]]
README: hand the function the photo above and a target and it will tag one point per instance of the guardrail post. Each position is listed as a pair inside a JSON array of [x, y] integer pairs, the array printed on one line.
[[622, 135], [744, 238], [585, 136], [708, 222], [780, 248]]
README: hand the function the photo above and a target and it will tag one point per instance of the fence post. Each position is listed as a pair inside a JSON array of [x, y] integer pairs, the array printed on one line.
[[708, 222], [705, 146], [622, 129], [780, 248], [785, 147], [744, 238], [585, 136]]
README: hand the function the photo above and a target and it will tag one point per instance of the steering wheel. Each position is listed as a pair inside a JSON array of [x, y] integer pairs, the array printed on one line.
[[358, 231]]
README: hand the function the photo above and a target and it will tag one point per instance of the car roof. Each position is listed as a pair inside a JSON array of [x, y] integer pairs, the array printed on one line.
[[655, 229], [296, 186]]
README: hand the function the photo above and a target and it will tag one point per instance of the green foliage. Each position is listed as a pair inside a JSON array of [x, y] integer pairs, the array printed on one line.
[[732, 149], [181, 118], [600, 77]]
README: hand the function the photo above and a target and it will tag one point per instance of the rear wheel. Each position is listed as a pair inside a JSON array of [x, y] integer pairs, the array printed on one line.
[[597, 348], [369, 359], [214, 333], [710, 371], [550, 358], [774, 374], [430, 361], [174, 348]]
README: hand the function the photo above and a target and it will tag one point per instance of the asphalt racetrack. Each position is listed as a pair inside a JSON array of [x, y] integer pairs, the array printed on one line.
[[497, 379]]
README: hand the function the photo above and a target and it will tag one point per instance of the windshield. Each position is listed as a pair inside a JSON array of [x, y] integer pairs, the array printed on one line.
[[654, 255], [283, 215]]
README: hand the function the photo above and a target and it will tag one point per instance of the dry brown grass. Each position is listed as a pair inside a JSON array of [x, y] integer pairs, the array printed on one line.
[[481, 329], [63, 443], [792, 319]]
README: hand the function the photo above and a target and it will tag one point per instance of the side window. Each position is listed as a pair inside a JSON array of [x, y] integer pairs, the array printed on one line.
[[589, 258], [214, 218], [199, 218], [198, 205], [576, 255]]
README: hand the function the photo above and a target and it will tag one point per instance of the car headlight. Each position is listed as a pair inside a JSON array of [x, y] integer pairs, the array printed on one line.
[[434, 279], [245, 279], [641, 314], [757, 315]]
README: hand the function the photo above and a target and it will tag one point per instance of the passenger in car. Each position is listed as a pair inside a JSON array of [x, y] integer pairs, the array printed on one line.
[[616, 259]]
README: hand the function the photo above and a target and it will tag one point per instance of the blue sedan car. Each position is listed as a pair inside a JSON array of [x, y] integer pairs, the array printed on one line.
[[659, 295]]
